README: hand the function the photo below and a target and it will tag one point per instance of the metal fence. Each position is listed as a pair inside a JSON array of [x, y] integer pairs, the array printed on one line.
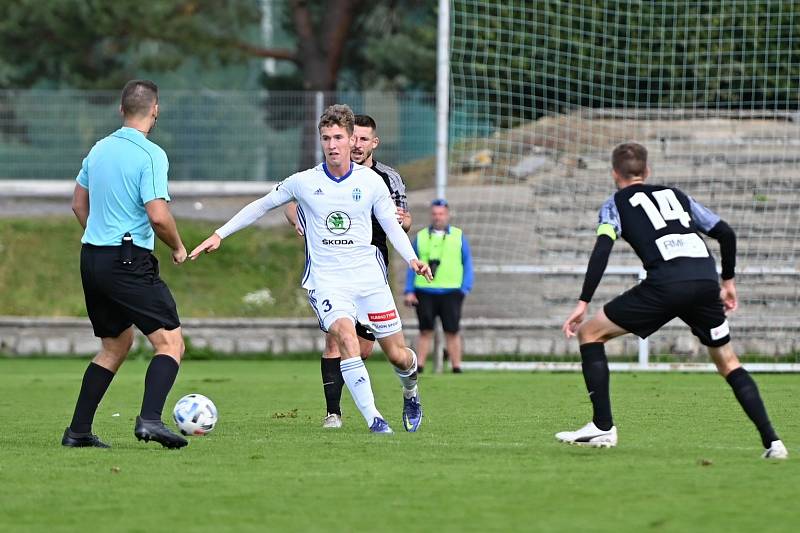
[[208, 135]]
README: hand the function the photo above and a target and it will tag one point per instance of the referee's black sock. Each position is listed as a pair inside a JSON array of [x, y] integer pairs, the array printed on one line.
[[746, 391], [95, 383], [595, 374], [332, 383], [157, 383]]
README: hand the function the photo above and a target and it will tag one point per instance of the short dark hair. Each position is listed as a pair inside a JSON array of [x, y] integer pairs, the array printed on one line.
[[629, 160], [138, 96], [366, 121], [337, 115]]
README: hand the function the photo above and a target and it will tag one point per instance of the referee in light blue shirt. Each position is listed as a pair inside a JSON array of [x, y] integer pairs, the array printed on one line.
[[120, 200]]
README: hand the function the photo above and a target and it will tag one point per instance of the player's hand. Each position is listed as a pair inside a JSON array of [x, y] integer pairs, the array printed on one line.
[[571, 325], [207, 246], [404, 218], [728, 296], [401, 215], [179, 255], [411, 300], [421, 268], [298, 229]]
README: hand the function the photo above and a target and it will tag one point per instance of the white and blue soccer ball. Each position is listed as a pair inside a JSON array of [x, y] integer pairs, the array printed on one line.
[[195, 414]]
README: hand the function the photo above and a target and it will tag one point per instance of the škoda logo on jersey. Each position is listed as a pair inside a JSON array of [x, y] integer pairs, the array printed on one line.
[[338, 222]]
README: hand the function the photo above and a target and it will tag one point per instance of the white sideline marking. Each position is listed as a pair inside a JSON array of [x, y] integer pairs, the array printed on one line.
[[533, 366]]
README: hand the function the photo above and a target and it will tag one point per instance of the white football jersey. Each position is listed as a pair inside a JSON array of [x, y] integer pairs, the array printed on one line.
[[336, 216]]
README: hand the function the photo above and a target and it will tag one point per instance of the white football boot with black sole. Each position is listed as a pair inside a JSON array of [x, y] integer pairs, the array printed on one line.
[[591, 436], [776, 450]]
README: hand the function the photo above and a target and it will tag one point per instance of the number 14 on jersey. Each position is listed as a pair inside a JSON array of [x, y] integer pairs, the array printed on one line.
[[669, 208]]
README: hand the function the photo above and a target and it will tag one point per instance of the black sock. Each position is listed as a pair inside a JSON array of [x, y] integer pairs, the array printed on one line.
[[419, 369], [332, 383], [95, 383], [746, 392], [595, 374], [158, 381]]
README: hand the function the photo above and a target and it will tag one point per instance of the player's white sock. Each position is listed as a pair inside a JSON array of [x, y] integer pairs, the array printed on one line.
[[408, 377], [357, 379]]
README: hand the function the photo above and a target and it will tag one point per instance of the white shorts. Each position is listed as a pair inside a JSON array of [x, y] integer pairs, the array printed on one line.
[[374, 308]]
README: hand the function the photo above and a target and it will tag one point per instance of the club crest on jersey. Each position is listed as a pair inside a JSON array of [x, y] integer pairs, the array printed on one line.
[[356, 194], [338, 222]]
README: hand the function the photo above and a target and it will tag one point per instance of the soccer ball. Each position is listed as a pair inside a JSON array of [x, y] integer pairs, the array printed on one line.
[[195, 414]]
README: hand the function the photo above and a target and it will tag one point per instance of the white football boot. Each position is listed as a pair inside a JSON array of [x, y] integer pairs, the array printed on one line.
[[332, 421], [590, 435], [776, 450]]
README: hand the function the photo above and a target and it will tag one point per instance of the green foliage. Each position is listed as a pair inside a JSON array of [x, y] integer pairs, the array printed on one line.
[[524, 62], [101, 44], [484, 459], [396, 48]]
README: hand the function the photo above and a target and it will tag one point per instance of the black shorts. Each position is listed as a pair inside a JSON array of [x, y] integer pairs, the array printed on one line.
[[645, 308], [363, 332], [118, 296], [447, 306]]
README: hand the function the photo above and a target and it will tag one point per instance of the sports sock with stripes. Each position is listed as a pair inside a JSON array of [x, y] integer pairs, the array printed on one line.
[[357, 380], [408, 377], [595, 373]]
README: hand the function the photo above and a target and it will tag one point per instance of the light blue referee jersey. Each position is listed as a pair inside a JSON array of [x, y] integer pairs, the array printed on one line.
[[123, 172]]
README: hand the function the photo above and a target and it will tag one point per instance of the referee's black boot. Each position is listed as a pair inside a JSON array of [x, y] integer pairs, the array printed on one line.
[[148, 430], [81, 440]]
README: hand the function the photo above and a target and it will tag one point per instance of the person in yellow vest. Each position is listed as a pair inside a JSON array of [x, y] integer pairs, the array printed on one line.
[[446, 250]]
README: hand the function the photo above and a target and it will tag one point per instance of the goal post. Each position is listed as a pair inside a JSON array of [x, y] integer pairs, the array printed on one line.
[[540, 94]]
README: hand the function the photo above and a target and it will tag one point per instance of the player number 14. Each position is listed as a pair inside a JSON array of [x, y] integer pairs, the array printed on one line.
[[669, 208]]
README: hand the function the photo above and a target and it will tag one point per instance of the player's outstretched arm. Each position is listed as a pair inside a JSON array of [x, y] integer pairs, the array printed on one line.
[[209, 245], [245, 217], [386, 213]]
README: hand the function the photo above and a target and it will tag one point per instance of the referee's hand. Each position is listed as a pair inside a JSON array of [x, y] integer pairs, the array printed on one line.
[[179, 255], [421, 268], [207, 246]]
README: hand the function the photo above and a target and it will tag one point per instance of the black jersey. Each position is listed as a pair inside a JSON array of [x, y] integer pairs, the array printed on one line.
[[397, 189], [661, 224]]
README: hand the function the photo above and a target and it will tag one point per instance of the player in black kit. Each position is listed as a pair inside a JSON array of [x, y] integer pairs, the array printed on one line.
[[661, 224]]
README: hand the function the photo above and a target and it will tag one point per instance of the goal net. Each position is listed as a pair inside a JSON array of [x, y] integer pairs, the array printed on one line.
[[542, 91]]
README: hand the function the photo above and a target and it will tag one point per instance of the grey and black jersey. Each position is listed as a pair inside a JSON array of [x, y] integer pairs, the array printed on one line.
[[662, 225], [397, 190]]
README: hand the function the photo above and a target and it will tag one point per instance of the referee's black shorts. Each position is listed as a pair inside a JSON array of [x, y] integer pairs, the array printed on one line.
[[118, 296], [644, 309], [447, 306]]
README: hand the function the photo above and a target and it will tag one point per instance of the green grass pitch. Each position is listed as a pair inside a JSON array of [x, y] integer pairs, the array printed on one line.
[[484, 459]]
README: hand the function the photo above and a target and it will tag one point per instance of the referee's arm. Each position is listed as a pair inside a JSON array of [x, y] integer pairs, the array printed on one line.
[[80, 196], [164, 225], [80, 204]]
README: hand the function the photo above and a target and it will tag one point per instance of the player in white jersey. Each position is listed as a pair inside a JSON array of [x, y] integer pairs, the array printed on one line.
[[345, 275]]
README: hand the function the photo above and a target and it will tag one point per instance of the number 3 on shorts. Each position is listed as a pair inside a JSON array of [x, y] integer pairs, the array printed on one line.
[[326, 305]]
